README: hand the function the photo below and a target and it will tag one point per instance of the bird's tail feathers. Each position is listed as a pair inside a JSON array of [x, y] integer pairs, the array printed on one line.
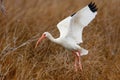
[[84, 52]]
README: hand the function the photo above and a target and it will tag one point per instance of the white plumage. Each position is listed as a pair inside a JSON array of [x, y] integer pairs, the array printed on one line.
[[63, 26], [72, 26], [71, 31]]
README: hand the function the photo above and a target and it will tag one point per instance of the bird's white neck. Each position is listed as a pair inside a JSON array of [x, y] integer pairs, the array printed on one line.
[[51, 38]]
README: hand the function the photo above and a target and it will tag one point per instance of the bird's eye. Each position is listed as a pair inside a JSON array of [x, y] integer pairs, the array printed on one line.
[[44, 34]]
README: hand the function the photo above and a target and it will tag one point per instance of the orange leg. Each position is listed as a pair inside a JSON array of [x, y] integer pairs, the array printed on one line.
[[77, 61], [76, 66]]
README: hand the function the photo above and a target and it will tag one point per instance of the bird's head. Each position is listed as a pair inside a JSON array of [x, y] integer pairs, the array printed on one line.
[[44, 35]]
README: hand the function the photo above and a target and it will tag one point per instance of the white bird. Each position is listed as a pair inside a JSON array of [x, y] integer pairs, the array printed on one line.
[[71, 32]]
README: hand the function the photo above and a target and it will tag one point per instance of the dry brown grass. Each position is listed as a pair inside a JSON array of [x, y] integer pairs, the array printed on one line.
[[27, 19]]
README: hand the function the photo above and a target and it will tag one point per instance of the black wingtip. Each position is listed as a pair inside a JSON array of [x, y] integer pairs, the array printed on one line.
[[92, 7], [73, 14]]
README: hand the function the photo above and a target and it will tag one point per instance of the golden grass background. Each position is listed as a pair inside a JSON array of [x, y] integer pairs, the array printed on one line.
[[26, 20]]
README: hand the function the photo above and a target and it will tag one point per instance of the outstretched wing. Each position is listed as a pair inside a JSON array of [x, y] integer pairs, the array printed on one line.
[[63, 26], [81, 19]]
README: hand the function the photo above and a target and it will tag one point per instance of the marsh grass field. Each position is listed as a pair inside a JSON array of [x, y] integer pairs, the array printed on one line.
[[25, 22]]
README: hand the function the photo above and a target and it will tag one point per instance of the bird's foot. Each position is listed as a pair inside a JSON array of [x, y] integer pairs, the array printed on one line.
[[80, 66]]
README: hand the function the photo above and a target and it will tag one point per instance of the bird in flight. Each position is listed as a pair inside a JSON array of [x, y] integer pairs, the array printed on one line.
[[70, 30]]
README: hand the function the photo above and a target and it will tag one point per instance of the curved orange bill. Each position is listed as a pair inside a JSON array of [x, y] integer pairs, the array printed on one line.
[[39, 40]]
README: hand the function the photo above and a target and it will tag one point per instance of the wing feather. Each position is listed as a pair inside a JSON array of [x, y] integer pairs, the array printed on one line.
[[63, 26], [81, 19], [73, 25]]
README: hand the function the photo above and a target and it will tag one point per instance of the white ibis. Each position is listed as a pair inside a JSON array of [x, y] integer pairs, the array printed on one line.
[[71, 32]]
